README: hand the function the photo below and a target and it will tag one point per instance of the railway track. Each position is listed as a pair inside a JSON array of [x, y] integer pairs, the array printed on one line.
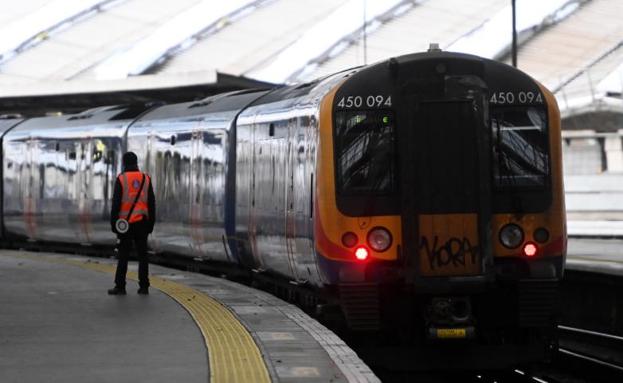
[[591, 348], [584, 356]]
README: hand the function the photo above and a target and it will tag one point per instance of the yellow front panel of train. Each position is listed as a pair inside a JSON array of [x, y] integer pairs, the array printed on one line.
[[449, 245]]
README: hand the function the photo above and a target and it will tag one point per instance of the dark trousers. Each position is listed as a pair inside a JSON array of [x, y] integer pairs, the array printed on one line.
[[138, 236]]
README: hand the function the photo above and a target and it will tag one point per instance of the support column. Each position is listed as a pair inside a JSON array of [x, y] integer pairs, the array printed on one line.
[[614, 152]]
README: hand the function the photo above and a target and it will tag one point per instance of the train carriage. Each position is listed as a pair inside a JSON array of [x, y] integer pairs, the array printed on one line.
[[189, 150], [58, 175], [276, 171]]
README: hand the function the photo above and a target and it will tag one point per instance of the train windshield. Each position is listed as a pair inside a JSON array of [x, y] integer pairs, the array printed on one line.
[[520, 145], [365, 152]]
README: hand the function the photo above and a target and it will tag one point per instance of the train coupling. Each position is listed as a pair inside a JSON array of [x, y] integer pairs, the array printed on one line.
[[450, 318]]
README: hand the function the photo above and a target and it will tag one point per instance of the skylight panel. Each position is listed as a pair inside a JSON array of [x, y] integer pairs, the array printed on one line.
[[322, 37], [36, 26], [493, 38], [138, 57]]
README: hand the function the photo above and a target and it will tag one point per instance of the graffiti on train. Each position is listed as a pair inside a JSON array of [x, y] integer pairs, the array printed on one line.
[[458, 252]]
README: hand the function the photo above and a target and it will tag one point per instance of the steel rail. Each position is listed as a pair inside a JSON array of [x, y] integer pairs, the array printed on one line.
[[590, 359], [612, 342], [591, 333]]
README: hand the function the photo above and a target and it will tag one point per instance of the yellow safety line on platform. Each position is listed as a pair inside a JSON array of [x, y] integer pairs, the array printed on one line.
[[233, 355]]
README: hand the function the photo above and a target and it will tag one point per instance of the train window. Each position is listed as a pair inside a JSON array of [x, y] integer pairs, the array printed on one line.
[[365, 148], [520, 149], [97, 155]]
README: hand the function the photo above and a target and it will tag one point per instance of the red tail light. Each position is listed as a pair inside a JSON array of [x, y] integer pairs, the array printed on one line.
[[361, 253], [530, 249]]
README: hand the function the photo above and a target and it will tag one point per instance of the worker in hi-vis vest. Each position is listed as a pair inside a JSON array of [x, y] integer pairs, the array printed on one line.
[[132, 218]]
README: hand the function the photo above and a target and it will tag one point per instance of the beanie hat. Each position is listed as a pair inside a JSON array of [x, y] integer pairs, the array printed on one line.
[[129, 160]]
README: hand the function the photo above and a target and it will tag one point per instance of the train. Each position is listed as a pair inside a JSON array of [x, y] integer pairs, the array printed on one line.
[[420, 198]]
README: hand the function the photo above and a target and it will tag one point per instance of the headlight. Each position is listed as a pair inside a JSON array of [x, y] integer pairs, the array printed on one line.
[[511, 236], [379, 239]]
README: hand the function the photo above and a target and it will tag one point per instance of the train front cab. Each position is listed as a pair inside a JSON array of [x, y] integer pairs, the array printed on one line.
[[440, 215]]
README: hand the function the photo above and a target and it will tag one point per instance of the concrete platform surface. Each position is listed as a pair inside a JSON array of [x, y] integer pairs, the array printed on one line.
[[57, 324]]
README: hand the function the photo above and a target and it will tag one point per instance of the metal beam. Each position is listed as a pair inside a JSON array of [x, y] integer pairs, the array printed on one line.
[[514, 48]]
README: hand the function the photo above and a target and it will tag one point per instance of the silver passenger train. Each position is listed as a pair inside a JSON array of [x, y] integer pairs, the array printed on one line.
[[421, 196], [59, 172]]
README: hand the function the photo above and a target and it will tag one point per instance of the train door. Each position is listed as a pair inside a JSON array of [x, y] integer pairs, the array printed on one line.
[[448, 185], [29, 186], [197, 182], [154, 168], [291, 196], [102, 185], [162, 178], [298, 224], [65, 166], [73, 190], [275, 196], [255, 148], [50, 212], [83, 192], [240, 236]]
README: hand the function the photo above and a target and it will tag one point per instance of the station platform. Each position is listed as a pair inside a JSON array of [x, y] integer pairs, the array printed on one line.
[[595, 255], [57, 324], [595, 228]]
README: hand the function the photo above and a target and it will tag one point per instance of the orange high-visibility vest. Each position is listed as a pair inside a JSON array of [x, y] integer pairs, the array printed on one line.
[[130, 183]]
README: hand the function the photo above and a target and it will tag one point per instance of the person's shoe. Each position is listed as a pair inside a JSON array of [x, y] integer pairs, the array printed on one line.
[[143, 290], [117, 291]]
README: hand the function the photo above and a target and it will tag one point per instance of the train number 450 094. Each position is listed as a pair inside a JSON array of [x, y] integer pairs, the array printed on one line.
[[502, 98], [371, 101]]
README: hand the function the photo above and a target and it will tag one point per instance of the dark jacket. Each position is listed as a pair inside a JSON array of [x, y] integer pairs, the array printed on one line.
[[116, 205]]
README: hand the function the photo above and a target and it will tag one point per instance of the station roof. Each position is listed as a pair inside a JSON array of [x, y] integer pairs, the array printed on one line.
[[575, 47], [575, 57], [73, 96], [441, 21]]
